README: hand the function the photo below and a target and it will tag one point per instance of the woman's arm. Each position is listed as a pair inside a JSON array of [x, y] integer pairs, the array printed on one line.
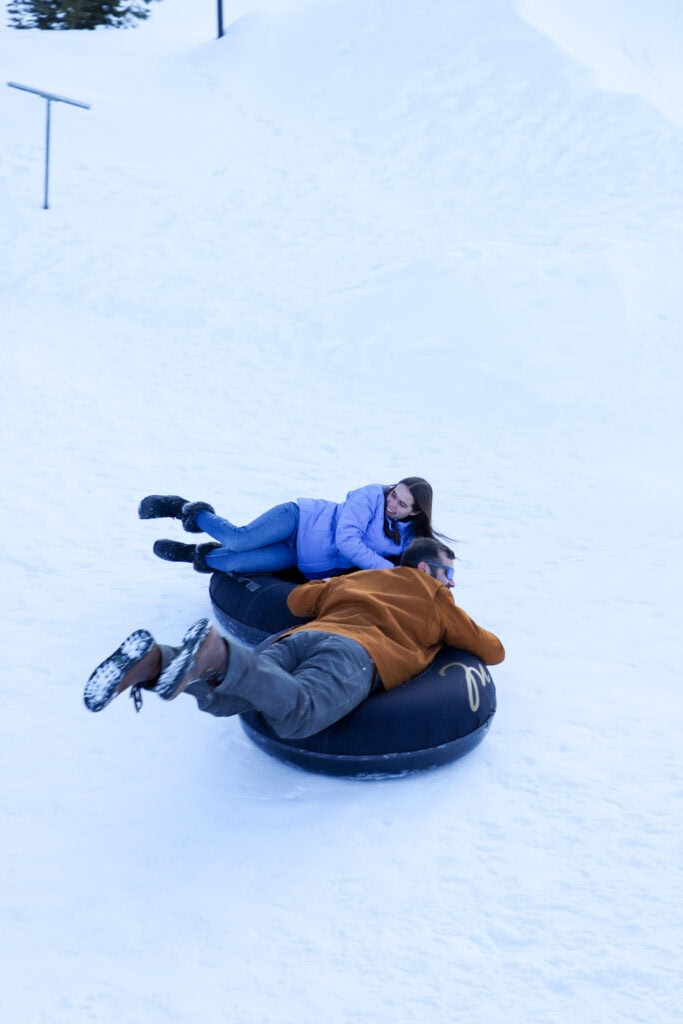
[[358, 511]]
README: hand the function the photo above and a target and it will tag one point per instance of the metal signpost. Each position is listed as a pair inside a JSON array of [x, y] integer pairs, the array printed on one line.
[[220, 18], [51, 98]]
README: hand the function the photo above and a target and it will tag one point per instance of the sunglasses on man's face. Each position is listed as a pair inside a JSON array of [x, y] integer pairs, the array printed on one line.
[[448, 569]]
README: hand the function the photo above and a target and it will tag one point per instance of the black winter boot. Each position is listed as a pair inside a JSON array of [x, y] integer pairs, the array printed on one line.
[[189, 513], [161, 506], [200, 553], [175, 551]]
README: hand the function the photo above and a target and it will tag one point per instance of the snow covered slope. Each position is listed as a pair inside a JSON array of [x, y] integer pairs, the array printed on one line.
[[350, 241]]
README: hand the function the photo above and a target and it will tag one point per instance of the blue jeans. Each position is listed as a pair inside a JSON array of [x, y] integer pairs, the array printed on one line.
[[268, 544], [300, 684]]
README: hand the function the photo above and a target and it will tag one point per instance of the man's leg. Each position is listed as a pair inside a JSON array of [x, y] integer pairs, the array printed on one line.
[[300, 684]]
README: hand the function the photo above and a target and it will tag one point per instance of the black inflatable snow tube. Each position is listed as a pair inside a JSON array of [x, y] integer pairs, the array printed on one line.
[[434, 719]]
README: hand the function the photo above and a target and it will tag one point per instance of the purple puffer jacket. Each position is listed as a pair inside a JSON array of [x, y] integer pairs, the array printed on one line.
[[334, 537]]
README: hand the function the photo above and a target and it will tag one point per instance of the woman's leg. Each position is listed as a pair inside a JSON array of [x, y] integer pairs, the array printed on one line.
[[273, 527], [271, 559]]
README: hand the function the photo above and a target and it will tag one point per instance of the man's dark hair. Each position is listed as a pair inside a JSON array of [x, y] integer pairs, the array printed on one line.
[[425, 549]]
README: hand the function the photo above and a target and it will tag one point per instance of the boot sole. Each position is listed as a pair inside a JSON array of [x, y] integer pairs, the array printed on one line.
[[109, 679], [178, 674]]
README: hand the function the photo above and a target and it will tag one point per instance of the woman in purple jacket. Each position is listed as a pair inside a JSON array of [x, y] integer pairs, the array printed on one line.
[[370, 530]]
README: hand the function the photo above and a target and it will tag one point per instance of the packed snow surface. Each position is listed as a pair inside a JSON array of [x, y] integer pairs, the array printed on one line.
[[350, 241]]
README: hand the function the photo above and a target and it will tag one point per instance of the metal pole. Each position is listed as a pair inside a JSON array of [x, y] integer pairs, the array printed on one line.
[[49, 96], [220, 18], [47, 157]]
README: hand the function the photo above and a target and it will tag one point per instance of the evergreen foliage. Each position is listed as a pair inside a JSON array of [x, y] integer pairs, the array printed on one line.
[[76, 14]]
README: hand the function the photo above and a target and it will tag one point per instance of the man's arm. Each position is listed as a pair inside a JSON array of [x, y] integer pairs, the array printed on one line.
[[459, 630]]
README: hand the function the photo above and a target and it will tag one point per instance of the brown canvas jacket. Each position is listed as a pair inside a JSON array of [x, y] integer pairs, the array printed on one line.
[[402, 617]]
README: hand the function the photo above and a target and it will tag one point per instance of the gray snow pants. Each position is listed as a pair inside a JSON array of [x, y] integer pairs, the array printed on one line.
[[300, 684]]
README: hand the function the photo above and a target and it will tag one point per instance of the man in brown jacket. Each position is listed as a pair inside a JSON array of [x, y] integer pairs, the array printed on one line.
[[369, 629]]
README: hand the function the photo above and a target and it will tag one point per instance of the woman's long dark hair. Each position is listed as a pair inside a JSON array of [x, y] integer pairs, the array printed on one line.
[[422, 494]]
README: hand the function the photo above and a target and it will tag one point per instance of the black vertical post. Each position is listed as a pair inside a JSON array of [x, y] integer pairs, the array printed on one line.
[[47, 156], [220, 18]]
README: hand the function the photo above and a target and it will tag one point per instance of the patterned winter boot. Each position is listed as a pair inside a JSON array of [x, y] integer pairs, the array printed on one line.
[[204, 655], [134, 665]]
